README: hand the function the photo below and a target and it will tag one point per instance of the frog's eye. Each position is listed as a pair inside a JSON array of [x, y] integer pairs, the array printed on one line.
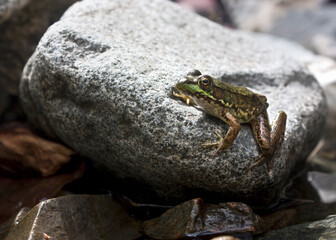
[[205, 82]]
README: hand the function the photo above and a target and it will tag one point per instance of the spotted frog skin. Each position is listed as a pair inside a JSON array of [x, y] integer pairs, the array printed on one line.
[[234, 105]]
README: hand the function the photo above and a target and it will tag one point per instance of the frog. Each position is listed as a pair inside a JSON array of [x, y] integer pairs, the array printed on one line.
[[234, 105]]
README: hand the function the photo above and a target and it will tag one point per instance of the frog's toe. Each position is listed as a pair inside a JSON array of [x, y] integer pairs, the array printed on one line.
[[209, 144], [260, 160]]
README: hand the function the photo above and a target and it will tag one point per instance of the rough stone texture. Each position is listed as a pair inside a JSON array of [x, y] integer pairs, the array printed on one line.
[[323, 230], [75, 217], [101, 81], [22, 23], [315, 29]]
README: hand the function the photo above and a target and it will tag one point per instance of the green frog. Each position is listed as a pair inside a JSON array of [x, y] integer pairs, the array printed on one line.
[[234, 105]]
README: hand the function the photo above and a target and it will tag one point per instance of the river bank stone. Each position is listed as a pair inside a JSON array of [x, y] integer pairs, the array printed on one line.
[[323, 229], [101, 79], [73, 217]]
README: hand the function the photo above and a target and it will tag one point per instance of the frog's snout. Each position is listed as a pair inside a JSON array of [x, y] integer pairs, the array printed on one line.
[[181, 80]]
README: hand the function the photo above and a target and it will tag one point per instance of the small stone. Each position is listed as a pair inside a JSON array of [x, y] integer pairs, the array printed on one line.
[[195, 218], [76, 217]]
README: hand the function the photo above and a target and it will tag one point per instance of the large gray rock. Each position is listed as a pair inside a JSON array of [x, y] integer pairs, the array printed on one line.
[[101, 79]]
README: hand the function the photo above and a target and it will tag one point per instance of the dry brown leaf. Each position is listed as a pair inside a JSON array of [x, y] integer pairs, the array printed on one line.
[[21, 150]]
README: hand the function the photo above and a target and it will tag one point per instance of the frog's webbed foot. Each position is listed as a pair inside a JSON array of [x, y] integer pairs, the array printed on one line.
[[269, 139], [260, 160], [221, 144], [225, 142]]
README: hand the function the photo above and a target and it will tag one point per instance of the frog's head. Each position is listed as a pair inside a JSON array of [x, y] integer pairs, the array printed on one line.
[[195, 84]]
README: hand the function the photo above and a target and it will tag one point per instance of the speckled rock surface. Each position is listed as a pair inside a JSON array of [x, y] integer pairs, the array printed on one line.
[[101, 79]]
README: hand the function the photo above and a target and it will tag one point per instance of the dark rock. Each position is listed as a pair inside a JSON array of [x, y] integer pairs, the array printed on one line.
[[22, 23], [101, 79], [9, 7], [323, 229], [76, 217], [194, 218]]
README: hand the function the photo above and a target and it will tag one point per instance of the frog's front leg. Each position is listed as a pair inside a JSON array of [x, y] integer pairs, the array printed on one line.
[[269, 140], [230, 136]]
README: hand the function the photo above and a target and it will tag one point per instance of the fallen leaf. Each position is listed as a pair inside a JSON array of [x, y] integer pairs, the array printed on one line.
[[23, 152]]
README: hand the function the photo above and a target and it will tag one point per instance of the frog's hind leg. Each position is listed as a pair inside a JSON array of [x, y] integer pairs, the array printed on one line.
[[262, 134], [269, 140], [278, 132]]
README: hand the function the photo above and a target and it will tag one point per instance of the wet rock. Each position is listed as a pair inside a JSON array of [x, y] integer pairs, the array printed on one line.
[[101, 79], [314, 28], [22, 23], [323, 229], [194, 218], [5, 227], [76, 217]]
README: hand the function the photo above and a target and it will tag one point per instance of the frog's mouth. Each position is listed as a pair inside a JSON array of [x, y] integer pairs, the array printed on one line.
[[176, 91]]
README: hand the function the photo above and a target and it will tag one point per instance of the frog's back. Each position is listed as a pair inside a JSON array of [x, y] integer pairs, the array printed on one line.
[[242, 91], [241, 102]]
